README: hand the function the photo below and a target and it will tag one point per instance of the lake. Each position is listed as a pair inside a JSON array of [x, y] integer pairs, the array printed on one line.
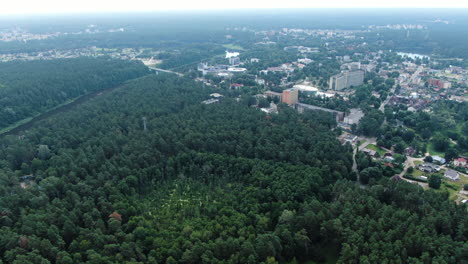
[[413, 55]]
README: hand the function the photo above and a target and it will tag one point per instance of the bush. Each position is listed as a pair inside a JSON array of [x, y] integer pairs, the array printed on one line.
[[435, 181]]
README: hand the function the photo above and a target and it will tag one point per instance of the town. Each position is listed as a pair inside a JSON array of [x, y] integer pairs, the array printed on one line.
[[371, 93]]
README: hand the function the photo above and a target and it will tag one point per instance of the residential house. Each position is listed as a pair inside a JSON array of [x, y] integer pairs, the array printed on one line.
[[428, 167], [460, 162], [236, 86], [452, 175], [409, 151], [369, 152], [438, 160]]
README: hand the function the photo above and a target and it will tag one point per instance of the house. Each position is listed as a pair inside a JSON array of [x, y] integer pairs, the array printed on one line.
[[350, 138], [428, 167], [460, 162], [369, 152], [388, 164], [210, 101], [438, 160], [409, 151], [236, 86], [273, 109], [388, 159], [216, 95], [452, 175], [116, 216]]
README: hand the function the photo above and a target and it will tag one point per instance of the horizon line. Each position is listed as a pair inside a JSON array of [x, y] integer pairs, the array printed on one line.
[[110, 12]]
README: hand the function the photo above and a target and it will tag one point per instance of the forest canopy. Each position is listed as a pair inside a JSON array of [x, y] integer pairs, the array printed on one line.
[[28, 88], [221, 183]]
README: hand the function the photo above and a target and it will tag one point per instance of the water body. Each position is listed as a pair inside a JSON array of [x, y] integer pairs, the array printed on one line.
[[413, 55]]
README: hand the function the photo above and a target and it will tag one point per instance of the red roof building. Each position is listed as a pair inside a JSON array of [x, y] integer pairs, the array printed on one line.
[[389, 165], [116, 216], [460, 162]]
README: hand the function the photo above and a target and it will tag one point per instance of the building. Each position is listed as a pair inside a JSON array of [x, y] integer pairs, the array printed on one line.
[[369, 152], [210, 101], [234, 61], [438, 160], [254, 60], [306, 89], [273, 109], [428, 167], [346, 79], [409, 151], [452, 175], [272, 94], [439, 83], [460, 162], [290, 96], [216, 95], [300, 107], [349, 138], [236, 86]]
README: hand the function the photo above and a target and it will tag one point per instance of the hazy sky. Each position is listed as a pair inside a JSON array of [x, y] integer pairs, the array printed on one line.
[[18, 7]]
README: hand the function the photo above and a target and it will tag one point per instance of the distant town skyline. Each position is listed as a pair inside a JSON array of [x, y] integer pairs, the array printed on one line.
[[22, 7]]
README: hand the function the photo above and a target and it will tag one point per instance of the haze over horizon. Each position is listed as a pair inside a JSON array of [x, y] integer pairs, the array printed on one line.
[[30, 7]]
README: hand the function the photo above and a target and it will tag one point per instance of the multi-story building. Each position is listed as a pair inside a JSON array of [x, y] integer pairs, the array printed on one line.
[[290, 96], [346, 79]]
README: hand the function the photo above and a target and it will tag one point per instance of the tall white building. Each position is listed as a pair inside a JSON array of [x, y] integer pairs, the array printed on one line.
[[346, 79]]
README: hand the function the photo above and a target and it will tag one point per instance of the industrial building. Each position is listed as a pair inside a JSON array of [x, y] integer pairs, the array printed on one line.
[[346, 79], [306, 89]]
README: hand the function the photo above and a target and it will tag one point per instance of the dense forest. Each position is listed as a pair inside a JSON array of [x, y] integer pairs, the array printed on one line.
[[33, 87], [221, 183]]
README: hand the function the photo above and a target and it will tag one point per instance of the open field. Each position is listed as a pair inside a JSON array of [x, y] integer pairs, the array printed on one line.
[[232, 46], [375, 148]]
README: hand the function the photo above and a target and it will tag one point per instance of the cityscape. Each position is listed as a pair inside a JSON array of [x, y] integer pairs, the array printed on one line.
[[295, 136]]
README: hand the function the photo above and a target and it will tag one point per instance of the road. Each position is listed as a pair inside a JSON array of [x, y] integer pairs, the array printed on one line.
[[166, 71], [367, 141]]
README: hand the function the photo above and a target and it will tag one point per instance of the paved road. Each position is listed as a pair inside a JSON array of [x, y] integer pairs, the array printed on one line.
[[167, 71]]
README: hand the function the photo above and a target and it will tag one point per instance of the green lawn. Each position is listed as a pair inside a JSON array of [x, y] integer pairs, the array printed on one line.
[[374, 147], [233, 46], [17, 124], [416, 173], [433, 151]]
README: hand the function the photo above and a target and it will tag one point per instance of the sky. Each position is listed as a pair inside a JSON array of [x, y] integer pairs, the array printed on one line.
[[21, 7]]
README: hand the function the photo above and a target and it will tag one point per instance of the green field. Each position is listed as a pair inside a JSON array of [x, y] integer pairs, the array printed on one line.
[[375, 148], [233, 46], [17, 124], [432, 151]]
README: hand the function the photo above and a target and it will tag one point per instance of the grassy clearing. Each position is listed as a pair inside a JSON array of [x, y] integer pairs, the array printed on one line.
[[233, 47], [416, 173], [26, 120], [375, 148], [17, 124], [431, 149]]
